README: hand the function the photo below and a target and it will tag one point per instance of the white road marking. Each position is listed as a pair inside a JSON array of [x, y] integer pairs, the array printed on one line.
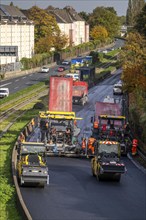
[[6, 84], [17, 80], [16, 87], [23, 77]]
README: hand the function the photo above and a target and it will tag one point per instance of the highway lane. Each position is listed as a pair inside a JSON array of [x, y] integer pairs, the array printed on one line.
[[73, 194], [21, 82]]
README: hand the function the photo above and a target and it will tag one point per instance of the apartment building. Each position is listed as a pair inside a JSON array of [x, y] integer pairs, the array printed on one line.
[[16, 35], [71, 24]]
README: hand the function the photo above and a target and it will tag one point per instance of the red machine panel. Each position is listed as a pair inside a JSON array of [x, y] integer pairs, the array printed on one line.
[[60, 94], [102, 108]]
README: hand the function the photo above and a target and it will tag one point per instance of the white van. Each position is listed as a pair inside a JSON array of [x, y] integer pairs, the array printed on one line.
[[75, 76], [4, 92]]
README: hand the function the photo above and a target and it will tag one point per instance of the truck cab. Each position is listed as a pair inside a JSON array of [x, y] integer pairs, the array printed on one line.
[[106, 163]]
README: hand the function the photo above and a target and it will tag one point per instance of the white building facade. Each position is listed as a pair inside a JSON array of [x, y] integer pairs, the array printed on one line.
[[72, 25], [16, 35]]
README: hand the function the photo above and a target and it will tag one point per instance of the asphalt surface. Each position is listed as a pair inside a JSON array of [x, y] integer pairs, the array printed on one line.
[[74, 194]]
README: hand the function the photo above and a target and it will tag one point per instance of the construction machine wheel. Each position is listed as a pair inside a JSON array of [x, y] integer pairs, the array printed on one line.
[[86, 99], [83, 102], [42, 185], [99, 177], [117, 177], [93, 174]]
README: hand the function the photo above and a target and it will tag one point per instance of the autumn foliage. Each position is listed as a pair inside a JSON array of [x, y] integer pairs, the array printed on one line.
[[99, 33]]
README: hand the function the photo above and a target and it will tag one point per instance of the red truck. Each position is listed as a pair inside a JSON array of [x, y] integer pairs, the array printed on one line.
[[60, 97], [80, 92]]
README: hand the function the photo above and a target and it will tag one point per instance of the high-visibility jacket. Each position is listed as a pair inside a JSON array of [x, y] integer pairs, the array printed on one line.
[[95, 124], [32, 122], [75, 122], [91, 144], [22, 138]]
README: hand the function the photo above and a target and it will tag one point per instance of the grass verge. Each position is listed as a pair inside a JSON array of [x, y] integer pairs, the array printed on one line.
[[22, 93], [8, 207]]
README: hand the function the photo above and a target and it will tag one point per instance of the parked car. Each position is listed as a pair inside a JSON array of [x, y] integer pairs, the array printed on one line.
[[117, 90], [45, 69], [61, 69], [4, 92]]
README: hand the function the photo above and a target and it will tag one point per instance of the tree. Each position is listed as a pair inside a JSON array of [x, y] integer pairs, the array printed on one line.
[[84, 15], [45, 24], [103, 17], [134, 8], [60, 41], [112, 10], [11, 4], [47, 32], [140, 25], [99, 33], [134, 63]]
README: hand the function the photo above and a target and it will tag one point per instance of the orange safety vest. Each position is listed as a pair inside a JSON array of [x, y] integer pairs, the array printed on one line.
[[32, 121], [75, 122], [90, 144], [95, 124]]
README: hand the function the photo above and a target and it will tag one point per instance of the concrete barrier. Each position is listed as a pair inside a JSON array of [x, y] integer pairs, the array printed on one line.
[[14, 74]]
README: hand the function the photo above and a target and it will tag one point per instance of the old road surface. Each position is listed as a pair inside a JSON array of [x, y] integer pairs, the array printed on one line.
[[74, 194]]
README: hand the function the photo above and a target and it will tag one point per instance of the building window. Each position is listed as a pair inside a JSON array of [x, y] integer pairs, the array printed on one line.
[[8, 50]]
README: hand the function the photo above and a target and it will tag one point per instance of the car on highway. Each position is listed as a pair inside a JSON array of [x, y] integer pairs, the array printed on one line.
[[117, 89], [4, 92], [61, 69], [75, 76], [45, 69], [65, 62]]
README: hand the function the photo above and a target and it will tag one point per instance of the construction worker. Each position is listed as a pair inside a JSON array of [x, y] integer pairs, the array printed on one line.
[[84, 145], [95, 125], [75, 122], [68, 135], [134, 146], [47, 129], [32, 123], [21, 138], [91, 144], [53, 134]]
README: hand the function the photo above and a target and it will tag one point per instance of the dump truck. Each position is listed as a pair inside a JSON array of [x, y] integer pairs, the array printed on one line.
[[109, 124], [62, 133], [80, 92], [31, 164], [107, 164]]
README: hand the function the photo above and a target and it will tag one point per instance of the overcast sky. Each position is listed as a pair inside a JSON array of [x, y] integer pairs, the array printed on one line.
[[79, 5]]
